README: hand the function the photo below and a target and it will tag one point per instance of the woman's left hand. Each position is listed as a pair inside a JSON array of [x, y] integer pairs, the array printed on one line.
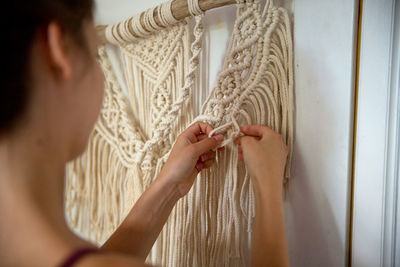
[[191, 153]]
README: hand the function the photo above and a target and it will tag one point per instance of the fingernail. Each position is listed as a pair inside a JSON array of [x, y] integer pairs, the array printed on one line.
[[219, 138]]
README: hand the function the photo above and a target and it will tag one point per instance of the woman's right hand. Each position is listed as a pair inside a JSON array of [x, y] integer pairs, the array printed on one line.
[[264, 153]]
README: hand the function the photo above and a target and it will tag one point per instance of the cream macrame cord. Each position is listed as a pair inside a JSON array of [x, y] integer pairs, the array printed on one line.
[[155, 100]]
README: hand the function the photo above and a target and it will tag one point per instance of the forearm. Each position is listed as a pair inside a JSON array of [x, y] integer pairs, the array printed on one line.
[[140, 229], [269, 246]]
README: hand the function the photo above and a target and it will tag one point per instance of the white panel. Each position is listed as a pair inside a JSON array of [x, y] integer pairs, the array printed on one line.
[[317, 206], [377, 137]]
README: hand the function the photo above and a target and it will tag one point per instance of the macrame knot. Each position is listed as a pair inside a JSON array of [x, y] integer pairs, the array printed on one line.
[[231, 130], [165, 14], [148, 162], [139, 156], [194, 8]]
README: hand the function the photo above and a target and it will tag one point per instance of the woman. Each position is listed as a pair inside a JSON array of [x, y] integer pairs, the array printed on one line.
[[49, 101]]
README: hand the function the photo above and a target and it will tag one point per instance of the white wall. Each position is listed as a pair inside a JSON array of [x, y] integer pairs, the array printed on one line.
[[317, 204]]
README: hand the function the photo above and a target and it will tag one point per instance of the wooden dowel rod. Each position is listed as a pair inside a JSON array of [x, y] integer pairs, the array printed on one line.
[[180, 10]]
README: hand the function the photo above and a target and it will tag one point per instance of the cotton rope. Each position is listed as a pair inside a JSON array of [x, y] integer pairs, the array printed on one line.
[[194, 8], [144, 24], [137, 129]]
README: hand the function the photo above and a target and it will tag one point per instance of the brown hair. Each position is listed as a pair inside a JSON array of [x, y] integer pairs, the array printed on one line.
[[21, 23]]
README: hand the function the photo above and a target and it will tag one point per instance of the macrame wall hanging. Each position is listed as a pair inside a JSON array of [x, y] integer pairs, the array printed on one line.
[[136, 129]]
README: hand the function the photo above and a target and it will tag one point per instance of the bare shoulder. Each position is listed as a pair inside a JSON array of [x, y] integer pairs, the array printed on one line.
[[111, 259]]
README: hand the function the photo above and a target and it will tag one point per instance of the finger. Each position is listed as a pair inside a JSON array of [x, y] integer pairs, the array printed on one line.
[[201, 137], [205, 145], [207, 156], [238, 140], [204, 136], [207, 164], [205, 128], [199, 128], [254, 130], [248, 141], [199, 166], [196, 129], [240, 149]]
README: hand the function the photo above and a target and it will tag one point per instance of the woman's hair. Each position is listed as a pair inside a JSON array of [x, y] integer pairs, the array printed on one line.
[[22, 20]]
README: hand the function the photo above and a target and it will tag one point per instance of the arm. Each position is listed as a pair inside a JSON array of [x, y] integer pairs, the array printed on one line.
[[264, 154], [269, 237], [138, 232], [191, 153]]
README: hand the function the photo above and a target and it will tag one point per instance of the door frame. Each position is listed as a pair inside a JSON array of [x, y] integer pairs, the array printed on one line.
[[376, 192]]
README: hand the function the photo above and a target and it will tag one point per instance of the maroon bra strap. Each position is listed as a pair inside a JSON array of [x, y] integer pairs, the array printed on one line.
[[77, 255]]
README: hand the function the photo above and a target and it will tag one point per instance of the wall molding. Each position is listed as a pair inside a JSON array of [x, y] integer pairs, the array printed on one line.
[[376, 208], [390, 241]]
